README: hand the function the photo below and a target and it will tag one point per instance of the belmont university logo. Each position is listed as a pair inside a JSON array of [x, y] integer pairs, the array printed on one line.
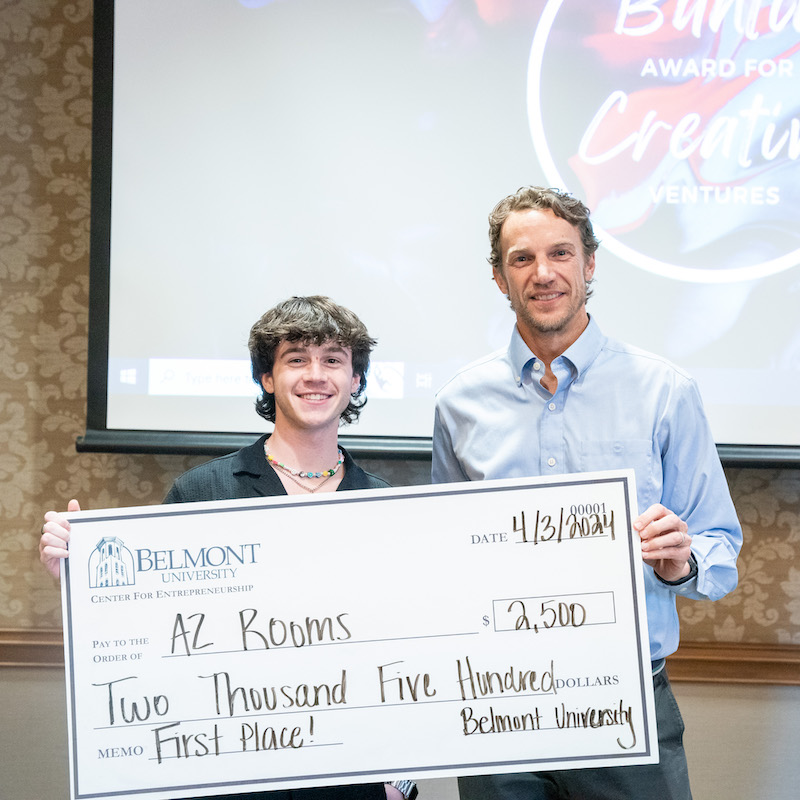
[[111, 564]]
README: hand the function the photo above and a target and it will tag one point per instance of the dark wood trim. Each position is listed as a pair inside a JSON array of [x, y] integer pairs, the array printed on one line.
[[25, 647], [697, 662], [714, 662]]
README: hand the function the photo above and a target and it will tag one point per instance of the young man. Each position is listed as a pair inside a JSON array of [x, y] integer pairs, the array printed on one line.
[[564, 398], [311, 358]]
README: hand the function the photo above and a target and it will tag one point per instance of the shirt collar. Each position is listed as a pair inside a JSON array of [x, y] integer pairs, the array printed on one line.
[[580, 354], [252, 461]]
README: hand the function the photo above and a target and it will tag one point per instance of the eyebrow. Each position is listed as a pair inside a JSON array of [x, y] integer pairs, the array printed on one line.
[[562, 245], [303, 348]]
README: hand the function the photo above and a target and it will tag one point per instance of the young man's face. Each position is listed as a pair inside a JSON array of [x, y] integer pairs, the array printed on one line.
[[312, 385], [544, 273]]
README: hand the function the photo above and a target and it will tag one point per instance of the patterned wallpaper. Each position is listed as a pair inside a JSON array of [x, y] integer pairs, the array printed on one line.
[[45, 118]]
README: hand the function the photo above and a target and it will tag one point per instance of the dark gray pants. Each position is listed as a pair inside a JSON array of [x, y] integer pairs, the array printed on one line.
[[667, 780]]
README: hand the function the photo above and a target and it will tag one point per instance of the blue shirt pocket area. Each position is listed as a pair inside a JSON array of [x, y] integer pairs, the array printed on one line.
[[635, 454]]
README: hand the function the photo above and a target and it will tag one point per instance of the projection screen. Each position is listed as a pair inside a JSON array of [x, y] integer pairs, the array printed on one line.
[[250, 150]]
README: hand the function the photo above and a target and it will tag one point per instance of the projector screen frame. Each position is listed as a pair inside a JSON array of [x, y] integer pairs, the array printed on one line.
[[98, 438]]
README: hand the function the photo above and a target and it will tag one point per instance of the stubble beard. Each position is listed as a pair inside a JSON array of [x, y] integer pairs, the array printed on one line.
[[549, 325]]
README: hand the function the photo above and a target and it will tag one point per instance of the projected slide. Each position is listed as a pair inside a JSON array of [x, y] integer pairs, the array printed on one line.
[[263, 149]]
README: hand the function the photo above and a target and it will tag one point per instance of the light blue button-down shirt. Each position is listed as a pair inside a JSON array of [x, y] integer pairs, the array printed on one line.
[[615, 407]]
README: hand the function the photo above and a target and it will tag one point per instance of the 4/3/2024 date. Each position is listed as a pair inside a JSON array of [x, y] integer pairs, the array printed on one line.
[[566, 525]]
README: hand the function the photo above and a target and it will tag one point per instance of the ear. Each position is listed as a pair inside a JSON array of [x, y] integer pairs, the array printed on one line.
[[355, 383], [267, 383], [588, 269], [500, 280]]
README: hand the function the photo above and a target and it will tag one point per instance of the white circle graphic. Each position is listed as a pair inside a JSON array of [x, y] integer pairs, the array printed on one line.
[[635, 257]]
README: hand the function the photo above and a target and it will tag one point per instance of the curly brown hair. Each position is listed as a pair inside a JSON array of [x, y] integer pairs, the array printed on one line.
[[310, 320]]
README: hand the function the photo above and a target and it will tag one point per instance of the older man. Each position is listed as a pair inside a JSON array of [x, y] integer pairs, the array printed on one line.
[[565, 398]]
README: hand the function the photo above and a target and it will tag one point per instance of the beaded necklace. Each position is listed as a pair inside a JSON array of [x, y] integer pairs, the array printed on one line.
[[293, 474]]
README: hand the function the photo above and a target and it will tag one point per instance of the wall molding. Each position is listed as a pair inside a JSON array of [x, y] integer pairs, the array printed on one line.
[[695, 662], [723, 662], [28, 647]]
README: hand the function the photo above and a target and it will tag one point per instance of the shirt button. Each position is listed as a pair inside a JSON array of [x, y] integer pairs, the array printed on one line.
[[552, 406], [536, 366], [551, 462]]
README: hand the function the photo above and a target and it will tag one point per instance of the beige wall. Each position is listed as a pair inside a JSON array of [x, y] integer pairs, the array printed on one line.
[[737, 733], [45, 126]]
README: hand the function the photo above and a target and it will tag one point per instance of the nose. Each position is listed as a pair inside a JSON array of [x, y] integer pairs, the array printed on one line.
[[545, 272], [314, 371]]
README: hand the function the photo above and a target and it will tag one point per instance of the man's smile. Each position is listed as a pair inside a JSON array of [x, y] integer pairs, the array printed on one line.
[[547, 296]]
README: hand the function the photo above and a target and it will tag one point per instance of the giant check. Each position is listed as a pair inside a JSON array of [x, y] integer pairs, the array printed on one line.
[[351, 637]]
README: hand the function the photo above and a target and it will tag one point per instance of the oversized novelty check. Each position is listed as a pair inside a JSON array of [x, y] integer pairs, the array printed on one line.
[[351, 637]]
